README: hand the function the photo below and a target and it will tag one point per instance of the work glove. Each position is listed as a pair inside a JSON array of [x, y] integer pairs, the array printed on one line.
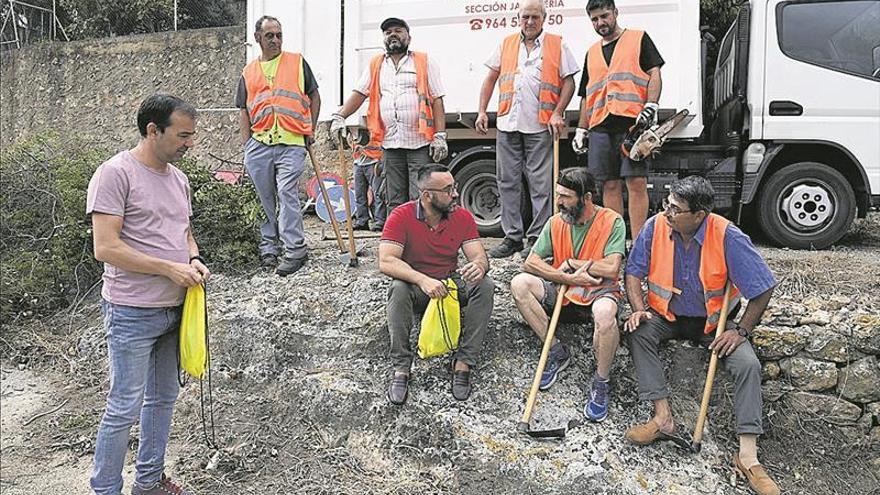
[[337, 129], [439, 149], [579, 141], [648, 115]]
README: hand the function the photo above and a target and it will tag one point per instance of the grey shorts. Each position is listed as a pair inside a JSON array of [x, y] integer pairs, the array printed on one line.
[[571, 313], [605, 160]]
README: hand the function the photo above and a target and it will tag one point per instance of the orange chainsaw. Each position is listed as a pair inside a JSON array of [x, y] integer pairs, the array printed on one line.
[[644, 141]]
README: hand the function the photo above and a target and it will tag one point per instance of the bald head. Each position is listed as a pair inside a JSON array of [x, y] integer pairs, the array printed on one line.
[[532, 5]]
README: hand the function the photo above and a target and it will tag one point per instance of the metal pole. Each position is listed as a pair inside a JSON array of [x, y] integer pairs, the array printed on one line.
[[52, 32], [175, 15]]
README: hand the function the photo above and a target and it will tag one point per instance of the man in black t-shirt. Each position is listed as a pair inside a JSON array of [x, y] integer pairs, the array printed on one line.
[[617, 89]]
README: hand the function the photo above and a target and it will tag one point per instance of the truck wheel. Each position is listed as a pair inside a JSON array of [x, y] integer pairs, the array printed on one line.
[[478, 193], [806, 205]]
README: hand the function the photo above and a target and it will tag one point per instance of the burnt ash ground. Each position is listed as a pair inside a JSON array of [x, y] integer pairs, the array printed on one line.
[[300, 371]]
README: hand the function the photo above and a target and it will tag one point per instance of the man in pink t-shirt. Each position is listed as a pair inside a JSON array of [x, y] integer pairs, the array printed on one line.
[[419, 248], [140, 209]]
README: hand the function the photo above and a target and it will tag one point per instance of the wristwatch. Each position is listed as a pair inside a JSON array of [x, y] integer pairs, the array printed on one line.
[[740, 330]]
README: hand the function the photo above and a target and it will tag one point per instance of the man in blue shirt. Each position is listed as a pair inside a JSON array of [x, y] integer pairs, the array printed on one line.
[[697, 236]]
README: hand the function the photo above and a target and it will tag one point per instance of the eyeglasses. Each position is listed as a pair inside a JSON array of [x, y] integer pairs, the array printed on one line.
[[450, 189], [673, 210]]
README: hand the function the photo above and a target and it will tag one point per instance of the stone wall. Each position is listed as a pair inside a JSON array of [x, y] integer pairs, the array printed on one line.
[[93, 88], [820, 355]]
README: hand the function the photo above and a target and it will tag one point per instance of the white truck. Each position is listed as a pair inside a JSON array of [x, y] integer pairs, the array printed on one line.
[[789, 137]]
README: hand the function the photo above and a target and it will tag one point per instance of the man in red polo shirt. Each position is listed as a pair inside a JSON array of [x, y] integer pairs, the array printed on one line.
[[419, 248]]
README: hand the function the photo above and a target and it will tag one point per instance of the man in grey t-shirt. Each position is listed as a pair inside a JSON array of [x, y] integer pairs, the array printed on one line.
[[140, 209]]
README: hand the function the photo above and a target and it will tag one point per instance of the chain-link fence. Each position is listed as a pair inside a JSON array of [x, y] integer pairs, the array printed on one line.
[[51, 20]]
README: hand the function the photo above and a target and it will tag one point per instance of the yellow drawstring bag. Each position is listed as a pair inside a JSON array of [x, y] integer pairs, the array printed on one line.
[[193, 333], [441, 324]]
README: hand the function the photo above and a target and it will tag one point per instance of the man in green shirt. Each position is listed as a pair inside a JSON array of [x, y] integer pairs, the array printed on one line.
[[580, 248]]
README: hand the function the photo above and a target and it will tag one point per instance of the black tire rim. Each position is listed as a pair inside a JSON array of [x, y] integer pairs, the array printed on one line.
[[808, 206], [479, 195]]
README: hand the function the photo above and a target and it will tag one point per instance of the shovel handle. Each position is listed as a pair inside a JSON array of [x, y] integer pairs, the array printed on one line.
[[710, 376], [545, 351], [352, 252], [555, 171], [326, 197]]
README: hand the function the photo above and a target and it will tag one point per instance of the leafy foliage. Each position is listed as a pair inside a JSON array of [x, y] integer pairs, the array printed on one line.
[[45, 234], [99, 18]]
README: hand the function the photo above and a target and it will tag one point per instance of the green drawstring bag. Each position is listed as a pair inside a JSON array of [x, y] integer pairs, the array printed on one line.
[[194, 333], [441, 324]]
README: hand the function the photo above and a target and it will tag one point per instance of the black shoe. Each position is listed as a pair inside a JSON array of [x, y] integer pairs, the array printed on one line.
[[289, 266], [378, 227], [461, 384], [527, 247], [361, 226], [268, 260], [505, 249], [398, 389]]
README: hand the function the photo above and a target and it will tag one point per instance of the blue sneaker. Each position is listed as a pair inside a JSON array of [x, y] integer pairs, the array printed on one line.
[[557, 361], [596, 409]]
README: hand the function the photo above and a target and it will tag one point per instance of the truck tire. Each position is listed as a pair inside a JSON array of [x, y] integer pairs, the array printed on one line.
[[806, 205], [478, 193]]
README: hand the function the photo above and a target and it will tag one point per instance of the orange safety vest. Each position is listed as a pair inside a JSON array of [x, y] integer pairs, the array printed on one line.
[[622, 88], [284, 101], [551, 83], [713, 269], [593, 248], [426, 112]]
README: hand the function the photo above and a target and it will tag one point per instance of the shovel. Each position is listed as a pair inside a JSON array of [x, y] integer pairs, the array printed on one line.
[[324, 195], [696, 442], [555, 170], [523, 426], [352, 252]]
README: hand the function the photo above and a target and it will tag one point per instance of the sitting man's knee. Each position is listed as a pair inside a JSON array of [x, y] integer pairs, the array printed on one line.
[[605, 315], [521, 286]]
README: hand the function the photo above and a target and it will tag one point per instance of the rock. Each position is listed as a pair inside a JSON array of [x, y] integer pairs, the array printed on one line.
[[819, 317], [813, 303], [874, 437], [779, 342], [773, 391], [827, 407], [809, 374], [873, 409], [770, 370], [866, 332], [859, 381], [838, 301], [831, 346]]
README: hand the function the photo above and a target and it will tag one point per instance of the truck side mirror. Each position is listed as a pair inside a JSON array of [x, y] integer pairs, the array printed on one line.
[[875, 66]]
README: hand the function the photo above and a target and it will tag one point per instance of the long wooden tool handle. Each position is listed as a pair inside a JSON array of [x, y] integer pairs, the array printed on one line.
[[555, 171], [347, 202], [545, 351], [330, 209], [713, 364]]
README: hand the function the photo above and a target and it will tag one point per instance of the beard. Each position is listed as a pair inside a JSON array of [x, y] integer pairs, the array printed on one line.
[[442, 208], [570, 215], [394, 46]]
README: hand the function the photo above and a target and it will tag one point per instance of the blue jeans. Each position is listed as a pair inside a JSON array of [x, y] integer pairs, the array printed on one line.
[[142, 348], [368, 177]]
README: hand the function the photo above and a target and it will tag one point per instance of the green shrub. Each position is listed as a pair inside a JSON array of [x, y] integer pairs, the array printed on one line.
[[45, 235], [47, 258]]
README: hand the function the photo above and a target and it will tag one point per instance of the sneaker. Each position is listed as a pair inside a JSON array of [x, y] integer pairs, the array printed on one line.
[[377, 227], [557, 361], [398, 389], [527, 247], [505, 249], [268, 260], [289, 266], [164, 487], [361, 226], [596, 409]]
